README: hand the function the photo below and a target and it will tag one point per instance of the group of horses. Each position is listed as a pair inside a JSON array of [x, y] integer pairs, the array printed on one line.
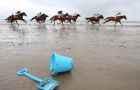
[[41, 19], [66, 18], [116, 19]]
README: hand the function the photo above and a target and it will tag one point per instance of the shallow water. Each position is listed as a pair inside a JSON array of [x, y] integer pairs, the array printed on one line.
[[105, 58]]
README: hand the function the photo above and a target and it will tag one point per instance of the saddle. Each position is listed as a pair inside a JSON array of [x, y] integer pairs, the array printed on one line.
[[115, 17], [95, 17], [38, 17], [73, 17], [60, 16], [15, 16]]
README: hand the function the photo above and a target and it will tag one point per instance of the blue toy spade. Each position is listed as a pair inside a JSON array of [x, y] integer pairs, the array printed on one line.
[[46, 84]]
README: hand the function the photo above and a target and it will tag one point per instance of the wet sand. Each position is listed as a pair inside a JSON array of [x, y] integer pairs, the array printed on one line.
[[105, 58]]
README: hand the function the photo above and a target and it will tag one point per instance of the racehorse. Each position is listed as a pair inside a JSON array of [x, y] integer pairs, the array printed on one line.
[[59, 17], [94, 19], [116, 19], [40, 19], [13, 18], [70, 18]]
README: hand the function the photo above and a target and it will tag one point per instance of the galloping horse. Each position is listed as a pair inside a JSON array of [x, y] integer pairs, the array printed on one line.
[[74, 18], [13, 18], [94, 19], [40, 19], [61, 18], [116, 19]]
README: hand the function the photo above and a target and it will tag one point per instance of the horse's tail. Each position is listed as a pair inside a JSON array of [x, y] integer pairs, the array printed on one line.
[[32, 19], [51, 19], [8, 18]]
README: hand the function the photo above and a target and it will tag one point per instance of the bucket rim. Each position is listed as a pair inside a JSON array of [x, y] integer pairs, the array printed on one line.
[[53, 63]]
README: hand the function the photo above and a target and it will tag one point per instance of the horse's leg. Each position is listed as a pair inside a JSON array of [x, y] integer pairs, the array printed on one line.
[[16, 22], [92, 22], [69, 20], [74, 21], [37, 21], [62, 23], [65, 21], [54, 22], [59, 22], [98, 23], [121, 23], [115, 23], [105, 21], [24, 20], [87, 21], [11, 22]]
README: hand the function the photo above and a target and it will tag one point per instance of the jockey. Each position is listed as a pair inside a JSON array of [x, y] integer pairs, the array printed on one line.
[[96, 15], [67, 13], [74, 14], [118, 14], [18, 12], [60, 13], [39, 14]]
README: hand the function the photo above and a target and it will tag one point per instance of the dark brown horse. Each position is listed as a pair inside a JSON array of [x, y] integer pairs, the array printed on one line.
[[116, 19], [14, 18], [59, 17], [40, 19], [94, 19], [70, 18]]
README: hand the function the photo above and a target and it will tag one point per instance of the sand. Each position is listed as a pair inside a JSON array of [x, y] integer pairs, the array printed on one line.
[[105, 58]]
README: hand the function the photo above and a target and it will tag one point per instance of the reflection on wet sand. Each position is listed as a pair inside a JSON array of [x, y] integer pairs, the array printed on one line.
[[42, 27], [93, 27], [13, 27]]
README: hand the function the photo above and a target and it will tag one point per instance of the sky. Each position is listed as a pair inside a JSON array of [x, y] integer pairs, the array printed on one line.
[[86, 8]]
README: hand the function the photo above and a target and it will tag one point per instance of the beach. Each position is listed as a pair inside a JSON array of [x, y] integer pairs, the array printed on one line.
[[105, 58]]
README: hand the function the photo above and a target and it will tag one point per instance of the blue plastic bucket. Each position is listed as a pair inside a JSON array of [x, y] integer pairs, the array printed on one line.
[[59, 64]]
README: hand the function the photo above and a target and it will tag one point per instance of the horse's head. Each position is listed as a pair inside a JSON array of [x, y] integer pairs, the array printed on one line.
[[78, 15], [124, 16], [23, 14], [44, 15], [101, 17]]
